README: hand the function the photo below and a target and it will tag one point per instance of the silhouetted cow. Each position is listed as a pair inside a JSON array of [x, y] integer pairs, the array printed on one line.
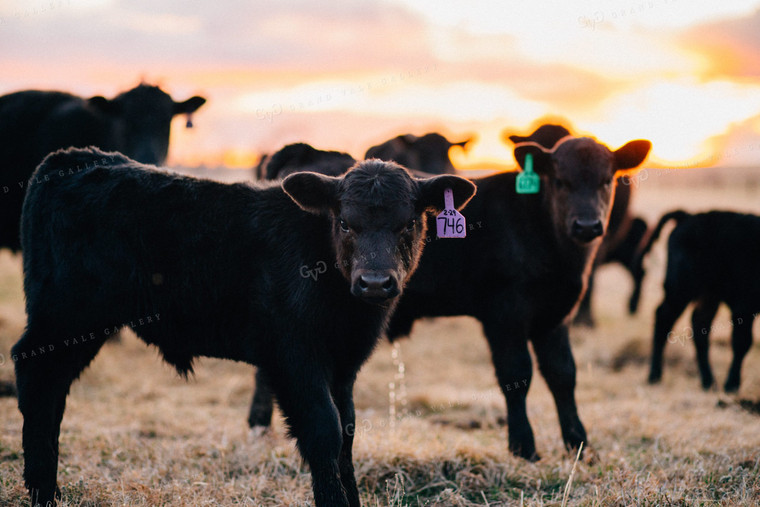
[[546, 135], [713, 258], [35, 123], [202, 268], [521, 271], [299, 157], [624, 232], [429, 153]]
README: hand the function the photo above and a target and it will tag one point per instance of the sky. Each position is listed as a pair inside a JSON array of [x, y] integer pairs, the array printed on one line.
[[347, 74]]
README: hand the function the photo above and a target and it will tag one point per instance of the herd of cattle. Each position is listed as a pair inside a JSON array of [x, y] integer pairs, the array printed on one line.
[[221, 274]]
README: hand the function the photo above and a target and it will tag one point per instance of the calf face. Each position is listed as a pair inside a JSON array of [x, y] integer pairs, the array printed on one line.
[[145, 114], [378, 227], [577, 176]]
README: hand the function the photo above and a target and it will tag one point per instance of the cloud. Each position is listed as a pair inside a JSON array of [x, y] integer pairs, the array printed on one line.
[[292, 34], [739, 145], [351, 71], [268, 46], [677, 116], [730, 48]]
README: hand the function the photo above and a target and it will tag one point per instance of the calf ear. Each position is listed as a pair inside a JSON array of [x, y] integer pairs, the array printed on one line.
[[515, 139], [632, 154], [542, 158], [463, 144], [408, 139], [189, 106], [104, 105], [431, 191], [315, 193]]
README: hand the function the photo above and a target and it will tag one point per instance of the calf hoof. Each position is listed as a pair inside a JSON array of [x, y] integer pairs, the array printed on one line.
[[525, 452], [260, 418], [654, 377], [708, 385], [257, 432], [574, 443], [261, 423], [731, 386], [44, 497]]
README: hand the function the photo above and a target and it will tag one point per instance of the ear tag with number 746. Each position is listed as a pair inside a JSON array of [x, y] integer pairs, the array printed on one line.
[[528, 182], [451, 223]]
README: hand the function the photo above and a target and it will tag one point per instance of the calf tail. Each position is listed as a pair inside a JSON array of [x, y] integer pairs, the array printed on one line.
[[637, 264], [678, 216]]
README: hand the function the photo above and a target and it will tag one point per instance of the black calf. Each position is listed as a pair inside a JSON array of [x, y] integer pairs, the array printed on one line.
[[212, 269], [428, 153], [521, 271], [712, 259], [299, 157], [34, 123], [624, 231]]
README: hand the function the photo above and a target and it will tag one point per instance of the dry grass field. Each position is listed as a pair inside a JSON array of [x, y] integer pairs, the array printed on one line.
[[134, 433]]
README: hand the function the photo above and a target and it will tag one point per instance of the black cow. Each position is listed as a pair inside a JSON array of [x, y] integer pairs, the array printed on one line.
[[219, 275], [713, 258], [624, 231], [521, 271], [546, 135], [34, 123], [300, 157], [429, 153]]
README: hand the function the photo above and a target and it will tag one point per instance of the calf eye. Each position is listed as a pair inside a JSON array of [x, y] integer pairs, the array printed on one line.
[[344, 226], [410, 226], [559, 184]]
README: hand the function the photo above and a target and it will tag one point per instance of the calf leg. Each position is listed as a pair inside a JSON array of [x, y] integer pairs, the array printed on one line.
[[514, 370], [555, 361], [584, 316], [667, 313], [637, 273], [741, 341], [701, 321], [43, 383], [344, 401], [262, 404], [304, 397]]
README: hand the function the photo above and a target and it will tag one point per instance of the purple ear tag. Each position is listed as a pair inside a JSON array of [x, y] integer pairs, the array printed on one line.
[[451, 223], [189, 122]]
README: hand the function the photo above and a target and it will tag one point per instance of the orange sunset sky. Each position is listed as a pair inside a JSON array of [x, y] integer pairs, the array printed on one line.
[[346, 74]]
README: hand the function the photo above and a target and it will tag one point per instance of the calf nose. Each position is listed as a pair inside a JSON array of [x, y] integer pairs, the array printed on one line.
[[376, 286], [586, 230]]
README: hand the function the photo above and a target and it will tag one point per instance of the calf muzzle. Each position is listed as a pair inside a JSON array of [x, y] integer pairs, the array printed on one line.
[[375, 286], [587, 230]]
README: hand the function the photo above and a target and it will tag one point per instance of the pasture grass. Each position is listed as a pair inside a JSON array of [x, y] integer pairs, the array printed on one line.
[[136, 434]]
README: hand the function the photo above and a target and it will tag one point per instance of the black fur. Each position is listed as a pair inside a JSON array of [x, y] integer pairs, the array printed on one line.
[[35, 123], [521, 272], [624, 231], [302, 157], [712, 259], [200, 268], [428, 153]]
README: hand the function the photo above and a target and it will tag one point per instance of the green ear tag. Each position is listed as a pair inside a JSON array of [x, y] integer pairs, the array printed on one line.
[[528, 182]]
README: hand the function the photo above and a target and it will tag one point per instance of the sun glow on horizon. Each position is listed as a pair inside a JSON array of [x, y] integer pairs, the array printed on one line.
[[617, 70]]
